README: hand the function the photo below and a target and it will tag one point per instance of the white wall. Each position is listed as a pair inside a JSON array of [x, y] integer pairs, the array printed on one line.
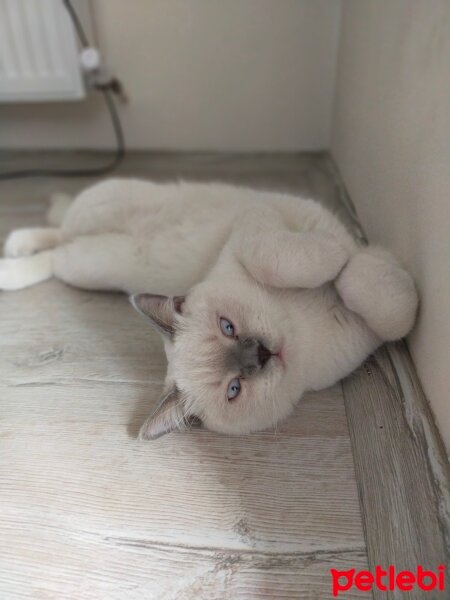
[[202, 74], [391, 141]]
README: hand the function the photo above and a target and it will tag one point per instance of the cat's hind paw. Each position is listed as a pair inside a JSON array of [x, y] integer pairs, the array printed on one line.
[[23, 242]]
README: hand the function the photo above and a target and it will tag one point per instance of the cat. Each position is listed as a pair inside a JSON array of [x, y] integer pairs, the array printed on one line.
[[259, 295]]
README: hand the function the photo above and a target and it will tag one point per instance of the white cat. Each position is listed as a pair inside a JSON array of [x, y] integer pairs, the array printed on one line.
[[265, 295]]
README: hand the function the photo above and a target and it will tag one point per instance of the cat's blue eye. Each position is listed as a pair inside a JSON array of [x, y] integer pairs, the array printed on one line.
[[234, 387], [227, 327]]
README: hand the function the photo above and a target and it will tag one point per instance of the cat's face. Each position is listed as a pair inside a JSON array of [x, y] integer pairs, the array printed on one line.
[[230, 357]]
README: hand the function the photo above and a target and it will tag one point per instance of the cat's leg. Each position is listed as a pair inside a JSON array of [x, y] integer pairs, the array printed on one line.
[[292, 260], [375, 286], [19, 273], [23, 242], [107, 206], [109, 262]]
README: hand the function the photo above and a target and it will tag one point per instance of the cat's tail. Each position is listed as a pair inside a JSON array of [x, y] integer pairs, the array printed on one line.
[[59, 203]]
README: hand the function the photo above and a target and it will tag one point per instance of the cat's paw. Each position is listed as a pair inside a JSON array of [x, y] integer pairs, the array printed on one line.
[[20, 242], [375, 286], [23, 242]]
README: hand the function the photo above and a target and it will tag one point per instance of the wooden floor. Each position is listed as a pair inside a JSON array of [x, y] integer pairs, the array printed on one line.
[[88, 512]]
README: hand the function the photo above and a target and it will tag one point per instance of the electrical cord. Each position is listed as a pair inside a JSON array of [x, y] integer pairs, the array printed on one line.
[[106, 90], [76, 23]]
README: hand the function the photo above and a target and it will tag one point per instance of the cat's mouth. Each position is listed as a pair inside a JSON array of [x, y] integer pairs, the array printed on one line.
[[280, 357], [264, 355]]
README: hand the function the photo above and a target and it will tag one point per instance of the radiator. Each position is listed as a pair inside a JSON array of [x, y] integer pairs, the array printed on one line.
[[39, 55]]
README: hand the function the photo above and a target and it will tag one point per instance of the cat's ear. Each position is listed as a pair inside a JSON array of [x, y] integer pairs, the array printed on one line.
[[292, 260], [168, 416], [161, 310]]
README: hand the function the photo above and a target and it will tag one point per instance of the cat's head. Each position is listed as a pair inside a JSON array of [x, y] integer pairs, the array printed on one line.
[[229, 363], [242, 349]]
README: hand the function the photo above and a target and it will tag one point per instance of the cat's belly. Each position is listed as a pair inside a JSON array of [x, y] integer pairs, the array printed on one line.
[[172, 240], [176, 231], [177, 258], [144, 210]]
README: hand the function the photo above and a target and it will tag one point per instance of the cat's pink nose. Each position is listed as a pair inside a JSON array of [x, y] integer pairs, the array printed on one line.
[[263, 355]]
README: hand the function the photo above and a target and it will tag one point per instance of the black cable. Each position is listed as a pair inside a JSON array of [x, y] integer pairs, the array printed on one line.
[[120, 140], [76, 23]]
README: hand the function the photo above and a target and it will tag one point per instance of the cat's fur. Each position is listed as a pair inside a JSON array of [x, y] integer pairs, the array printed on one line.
[[307, 304]]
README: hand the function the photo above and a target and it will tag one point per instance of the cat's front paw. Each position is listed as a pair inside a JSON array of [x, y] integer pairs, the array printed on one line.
[[375, 286]]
